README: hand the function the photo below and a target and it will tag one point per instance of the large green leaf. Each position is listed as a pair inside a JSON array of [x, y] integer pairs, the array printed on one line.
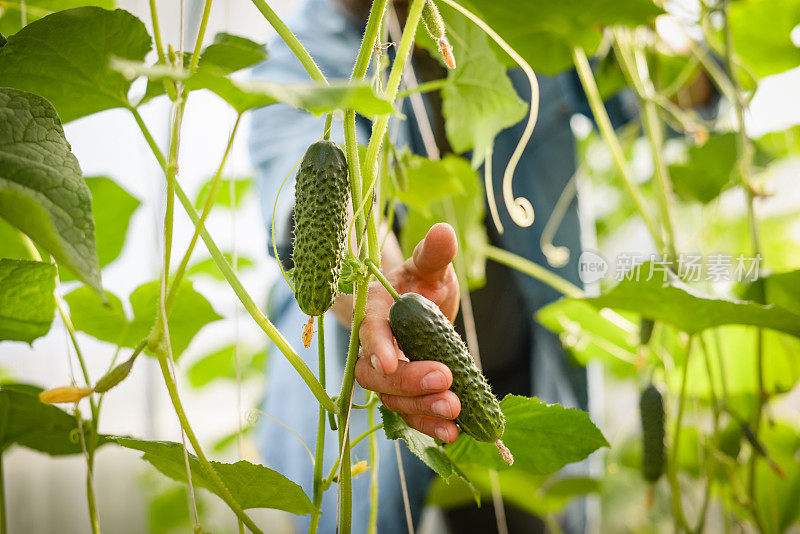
[[11, 18], [429, 181], [64, 58], [777, 495], [12, 242], [26, 421], [190, 313], [762, 34], [463, 207], [27, 306], [708, 169], [590, 334], [542, 437], [245, 95], [544, 32], [425, 448], [252, 485], [478, 101], [112, 208], [41, 187], [666, 298]]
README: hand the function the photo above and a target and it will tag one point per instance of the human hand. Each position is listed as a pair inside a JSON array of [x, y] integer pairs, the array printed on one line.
[[418, 391]]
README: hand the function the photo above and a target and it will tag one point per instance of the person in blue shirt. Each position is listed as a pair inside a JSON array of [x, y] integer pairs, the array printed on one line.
[[519, 356]]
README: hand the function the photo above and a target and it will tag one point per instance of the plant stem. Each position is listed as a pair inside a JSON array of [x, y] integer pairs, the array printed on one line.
[[291, 41], [252, 308], [201, 32], [611, 140], [367, 433], [212, 195], [631, 62], [382, 279], [677, 508], [3, 519], [319, 453], [425, 87], [532, 269], [359, 311], [220, 487], [381, 123], [157, 33], [372, 523]]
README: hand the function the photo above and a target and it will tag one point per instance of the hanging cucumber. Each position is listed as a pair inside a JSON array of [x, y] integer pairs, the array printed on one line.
[[424, 333], [320, 229], [651, 411]]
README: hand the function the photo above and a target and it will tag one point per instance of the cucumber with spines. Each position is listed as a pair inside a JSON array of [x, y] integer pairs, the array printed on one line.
[[320, 231], [424, 333]]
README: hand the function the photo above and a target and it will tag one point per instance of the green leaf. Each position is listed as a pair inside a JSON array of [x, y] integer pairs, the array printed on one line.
[[463, 208], [221, 364], [674, 302], [242, 188], [425, 448], [109, 323], [762, 33], [252, 485], [26, 421], [112, 208], [479, 101], [167, 511], [12, 244], [429, 181], [11, 18], [64, 57], [41, 188], [777, 145], [708, 170], [592, 335], [230, 53], [551, 29], [209, 267], [245, 95], [542, 437], [27, 306]]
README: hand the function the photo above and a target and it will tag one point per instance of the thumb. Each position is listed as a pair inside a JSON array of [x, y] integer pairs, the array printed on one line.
[[433, 255]]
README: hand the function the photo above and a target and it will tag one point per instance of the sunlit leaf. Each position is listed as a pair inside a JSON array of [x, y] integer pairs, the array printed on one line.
[[708, 169], [27, 306], [542, 437], [64, 57], [110, 323], [762, 34]]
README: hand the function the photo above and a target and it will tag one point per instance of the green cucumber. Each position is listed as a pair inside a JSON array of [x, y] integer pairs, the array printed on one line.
[[424, 333], [320, 230], [651, 411]]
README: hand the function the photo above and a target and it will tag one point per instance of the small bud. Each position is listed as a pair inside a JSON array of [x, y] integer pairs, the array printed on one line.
[[358, 468], [114, 376], [64, 394]]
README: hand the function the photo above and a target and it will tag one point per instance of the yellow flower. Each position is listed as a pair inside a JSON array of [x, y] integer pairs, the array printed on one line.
[[64, 394]]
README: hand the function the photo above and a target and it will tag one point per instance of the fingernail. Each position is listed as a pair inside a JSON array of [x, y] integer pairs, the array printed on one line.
[[434, 381], [375, 362], [442, 408], [441, 434]]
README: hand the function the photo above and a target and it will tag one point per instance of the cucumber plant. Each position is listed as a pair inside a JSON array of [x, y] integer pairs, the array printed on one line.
[[737, 346]]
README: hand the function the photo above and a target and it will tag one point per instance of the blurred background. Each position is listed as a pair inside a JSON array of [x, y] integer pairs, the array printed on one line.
[[46, 494]]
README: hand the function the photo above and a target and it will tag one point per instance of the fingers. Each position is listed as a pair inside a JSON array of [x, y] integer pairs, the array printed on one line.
[[433, 255], [375, 334], [435, 427], [444, 405], [411, 379]]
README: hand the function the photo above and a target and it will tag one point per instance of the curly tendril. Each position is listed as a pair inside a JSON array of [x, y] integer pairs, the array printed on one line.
[[520, 209]]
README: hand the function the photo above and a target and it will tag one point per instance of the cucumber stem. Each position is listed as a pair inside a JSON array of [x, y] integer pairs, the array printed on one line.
[[505, 454], [382, 279]]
